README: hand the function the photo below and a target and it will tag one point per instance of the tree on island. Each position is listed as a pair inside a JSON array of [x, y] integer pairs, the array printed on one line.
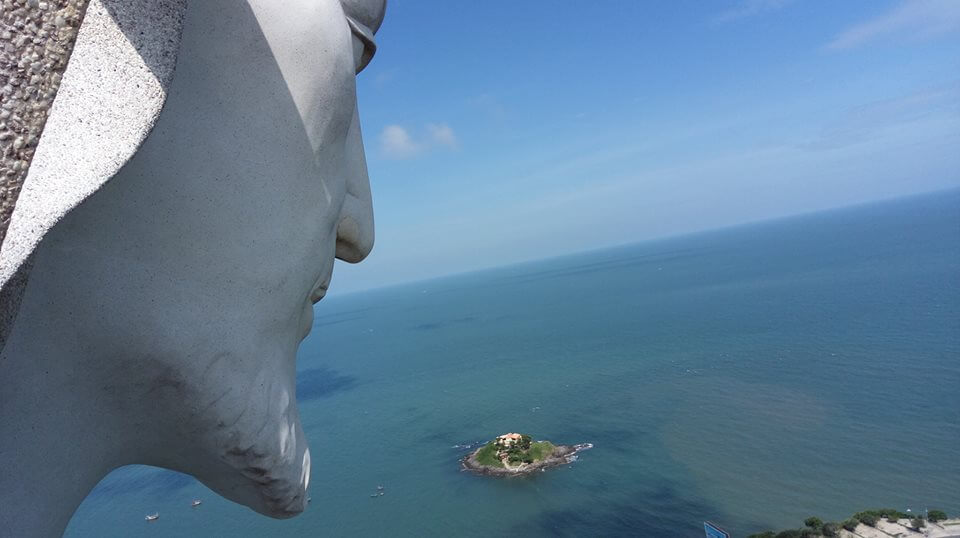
[[813, 522], [830, 529], [936, 515], [514, 449], [869, 518]]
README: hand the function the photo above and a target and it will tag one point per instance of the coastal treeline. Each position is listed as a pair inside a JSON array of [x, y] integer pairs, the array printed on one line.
[[816, 527]]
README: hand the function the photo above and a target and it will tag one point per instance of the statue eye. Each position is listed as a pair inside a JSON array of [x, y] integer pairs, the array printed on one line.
[[365, 35]]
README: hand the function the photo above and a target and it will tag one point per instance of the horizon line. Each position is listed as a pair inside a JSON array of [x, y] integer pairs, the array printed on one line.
[[744, 224]]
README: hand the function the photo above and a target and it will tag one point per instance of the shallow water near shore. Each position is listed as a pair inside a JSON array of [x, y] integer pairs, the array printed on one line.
[[751, 376]]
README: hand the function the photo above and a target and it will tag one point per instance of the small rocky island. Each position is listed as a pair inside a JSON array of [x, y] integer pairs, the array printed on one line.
[[513, 454]]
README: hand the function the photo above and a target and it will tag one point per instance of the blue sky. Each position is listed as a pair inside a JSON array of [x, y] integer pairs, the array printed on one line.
[[499, 132]]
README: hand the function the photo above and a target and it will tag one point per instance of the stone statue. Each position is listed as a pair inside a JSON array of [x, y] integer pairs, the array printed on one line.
[[201, 168]]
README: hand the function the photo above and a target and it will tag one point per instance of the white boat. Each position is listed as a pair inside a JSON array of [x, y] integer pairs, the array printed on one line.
[[196, 502], [154, 517]]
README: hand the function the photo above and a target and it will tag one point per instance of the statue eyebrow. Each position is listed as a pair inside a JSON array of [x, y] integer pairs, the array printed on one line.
[[366, 36]]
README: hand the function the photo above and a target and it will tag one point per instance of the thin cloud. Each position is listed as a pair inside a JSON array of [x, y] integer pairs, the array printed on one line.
[[396, 141], [913, 18], [876, 119], [750, 8], [442, 135]]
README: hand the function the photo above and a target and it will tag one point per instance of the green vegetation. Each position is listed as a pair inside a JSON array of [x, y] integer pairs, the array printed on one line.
[[524, 450], [488, 455], [816, 527], [867, 517], [936, 515], [892, 514], [515, 451], [541, 450], [871, 517], [830, 529]]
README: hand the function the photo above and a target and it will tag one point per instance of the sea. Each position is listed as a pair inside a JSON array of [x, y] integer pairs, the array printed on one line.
[[750, 376]]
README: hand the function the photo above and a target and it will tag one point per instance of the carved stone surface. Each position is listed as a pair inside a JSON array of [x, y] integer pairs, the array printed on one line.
[[36, 39], [109, 99], [175, 232]]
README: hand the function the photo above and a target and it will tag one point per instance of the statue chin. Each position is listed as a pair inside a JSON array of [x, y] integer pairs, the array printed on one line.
[[269, 474], [233, 423]]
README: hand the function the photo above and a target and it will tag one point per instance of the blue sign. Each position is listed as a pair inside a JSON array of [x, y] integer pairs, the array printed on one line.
[[714, 531]]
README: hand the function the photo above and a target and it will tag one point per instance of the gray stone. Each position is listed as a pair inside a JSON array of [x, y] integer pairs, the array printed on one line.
[[173, 231], [46, 54]]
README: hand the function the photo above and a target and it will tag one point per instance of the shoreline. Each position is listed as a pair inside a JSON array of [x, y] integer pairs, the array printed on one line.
[[562, 455], [878, 523]]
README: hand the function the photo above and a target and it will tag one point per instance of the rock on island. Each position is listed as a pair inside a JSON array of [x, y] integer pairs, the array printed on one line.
[[513, 454]]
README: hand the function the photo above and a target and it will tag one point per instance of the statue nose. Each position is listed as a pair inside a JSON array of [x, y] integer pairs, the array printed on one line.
[[355, 228]]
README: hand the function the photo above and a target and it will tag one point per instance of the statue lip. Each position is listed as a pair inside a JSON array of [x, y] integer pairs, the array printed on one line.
[[318, 293], [320, 288]]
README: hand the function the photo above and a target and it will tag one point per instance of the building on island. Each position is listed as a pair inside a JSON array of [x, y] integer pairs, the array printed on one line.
[[508, 439]]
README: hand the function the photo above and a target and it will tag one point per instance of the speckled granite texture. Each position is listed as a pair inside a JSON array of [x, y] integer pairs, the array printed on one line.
[[108, 101], [36, 39]]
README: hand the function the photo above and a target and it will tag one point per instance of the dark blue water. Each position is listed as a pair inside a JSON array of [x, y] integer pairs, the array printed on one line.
[[750, 376]]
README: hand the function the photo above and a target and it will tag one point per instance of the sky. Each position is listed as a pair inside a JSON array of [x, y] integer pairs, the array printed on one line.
[[499, 131]]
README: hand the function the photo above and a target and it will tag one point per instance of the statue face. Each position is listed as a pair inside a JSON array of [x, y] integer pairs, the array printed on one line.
[[170, 303], [318, 47], [190, 277]]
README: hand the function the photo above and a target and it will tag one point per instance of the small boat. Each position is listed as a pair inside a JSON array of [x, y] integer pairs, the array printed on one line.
[[196, 502], [379, 488], [374, 495], [154, 517], [309, 499]]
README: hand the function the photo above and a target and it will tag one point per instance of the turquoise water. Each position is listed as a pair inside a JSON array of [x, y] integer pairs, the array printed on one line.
[[750, 376]]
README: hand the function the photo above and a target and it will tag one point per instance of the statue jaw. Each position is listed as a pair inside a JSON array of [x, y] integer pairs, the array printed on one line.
[[253, 432], [271, 482]]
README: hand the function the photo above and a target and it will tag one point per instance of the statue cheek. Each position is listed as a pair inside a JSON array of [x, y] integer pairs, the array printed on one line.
[[329, 117]]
